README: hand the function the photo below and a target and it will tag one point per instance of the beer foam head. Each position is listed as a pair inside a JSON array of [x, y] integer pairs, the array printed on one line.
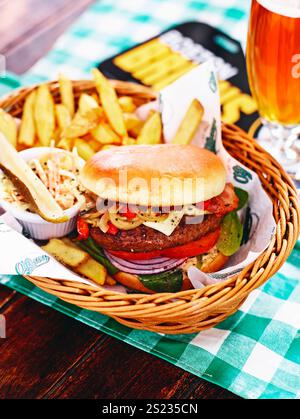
[[288, 8]]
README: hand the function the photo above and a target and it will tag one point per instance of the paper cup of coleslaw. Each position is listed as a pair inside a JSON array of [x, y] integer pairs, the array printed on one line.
[[32, 223]]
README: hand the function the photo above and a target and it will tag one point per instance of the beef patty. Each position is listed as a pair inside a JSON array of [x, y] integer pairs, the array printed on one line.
[[145, 239]]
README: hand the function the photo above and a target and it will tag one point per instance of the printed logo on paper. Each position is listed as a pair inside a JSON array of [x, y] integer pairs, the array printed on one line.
[[210, 143], [241, 175], [28, 265], [4, 228], [251, 223], [225, 275], [213, 82]]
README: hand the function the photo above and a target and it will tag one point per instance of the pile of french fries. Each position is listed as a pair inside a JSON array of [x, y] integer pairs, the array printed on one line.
[[91, 123], [66, 252]]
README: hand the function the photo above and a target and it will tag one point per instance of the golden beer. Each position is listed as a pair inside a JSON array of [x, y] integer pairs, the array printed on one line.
[[273, 59]]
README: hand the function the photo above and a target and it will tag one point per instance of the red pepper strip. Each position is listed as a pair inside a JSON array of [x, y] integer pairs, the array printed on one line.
[[112, 229], [83, 229], [129, 214]]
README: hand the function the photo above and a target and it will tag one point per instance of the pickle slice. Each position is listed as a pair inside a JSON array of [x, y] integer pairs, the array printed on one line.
[[170, 281], [231, 234], [33, 189], [243, 197]]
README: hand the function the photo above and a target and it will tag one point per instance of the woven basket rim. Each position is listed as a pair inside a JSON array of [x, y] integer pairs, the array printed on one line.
[[150, 311]]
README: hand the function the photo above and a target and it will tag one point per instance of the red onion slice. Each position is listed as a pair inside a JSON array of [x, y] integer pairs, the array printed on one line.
[[150, 262], [144, 267]]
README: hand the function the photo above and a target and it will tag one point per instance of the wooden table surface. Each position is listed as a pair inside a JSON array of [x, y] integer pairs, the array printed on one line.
[[46, 354]]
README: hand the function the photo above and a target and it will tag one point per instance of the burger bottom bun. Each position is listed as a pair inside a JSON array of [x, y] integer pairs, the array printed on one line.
[[214, 263], [132, 281]]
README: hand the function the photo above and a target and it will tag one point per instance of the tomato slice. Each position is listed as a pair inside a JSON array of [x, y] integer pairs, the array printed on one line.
[[136, 256], [195, 248]]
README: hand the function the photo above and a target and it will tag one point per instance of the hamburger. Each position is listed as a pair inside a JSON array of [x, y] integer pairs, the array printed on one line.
[[157, 210]]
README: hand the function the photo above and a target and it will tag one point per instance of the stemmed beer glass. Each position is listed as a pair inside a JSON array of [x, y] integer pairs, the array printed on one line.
[[273, 65]]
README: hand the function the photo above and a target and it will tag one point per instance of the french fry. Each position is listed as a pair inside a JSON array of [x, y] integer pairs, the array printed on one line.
[[69, 242], [65, 253], [96, 97], [105, 135], [133, 124], [189, 124], [93, 270], [96, 146], [84, 150], [44, 115], [151, 131], [63, 116], [110, 281], [86, 103], [8, 127], [109, 101], [127, 104], [66, 93], [129, 141], [82, 124], [65, 143], [108, 146], [27, 128], [56, 136]]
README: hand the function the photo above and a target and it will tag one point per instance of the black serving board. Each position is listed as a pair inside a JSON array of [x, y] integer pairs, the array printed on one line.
[[164, 57]]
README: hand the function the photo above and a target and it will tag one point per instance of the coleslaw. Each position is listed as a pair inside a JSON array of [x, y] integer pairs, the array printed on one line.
[[58, 170]]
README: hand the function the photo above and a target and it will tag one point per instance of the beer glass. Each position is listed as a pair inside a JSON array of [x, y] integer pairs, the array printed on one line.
[[273, 65]]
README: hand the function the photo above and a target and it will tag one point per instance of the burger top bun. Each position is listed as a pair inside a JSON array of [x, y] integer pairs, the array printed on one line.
[[155, 175], [214, 263]]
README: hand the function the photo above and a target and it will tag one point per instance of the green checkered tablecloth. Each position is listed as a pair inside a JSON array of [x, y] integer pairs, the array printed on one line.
[[256, 352], [110, 26]]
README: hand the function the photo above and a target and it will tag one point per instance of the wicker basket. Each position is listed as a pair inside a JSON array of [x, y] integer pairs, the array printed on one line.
[[193, 310]]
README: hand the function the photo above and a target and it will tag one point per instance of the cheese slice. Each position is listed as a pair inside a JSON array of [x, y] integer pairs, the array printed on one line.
[[172, 221], [168, 225], [193, 211]]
